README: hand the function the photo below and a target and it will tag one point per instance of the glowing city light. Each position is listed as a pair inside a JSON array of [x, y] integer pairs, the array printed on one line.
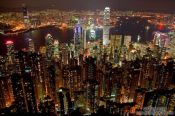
[[108, 61], [9, 42], [106, 26], [138, 38], [161, 39]]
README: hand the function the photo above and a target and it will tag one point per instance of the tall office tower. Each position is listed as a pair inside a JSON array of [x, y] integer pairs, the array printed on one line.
[[61, 100], [65, 75], [2, 73], [25, 11], [43, 90], [74, 76], [91, 93], [23, 91], [49, 47], [56, 49], [65, 54], [8, 91], [6, 97], [31, 45], [37, 75], [25, 15], [2, 96], [22, 84], [10, 51], [90, 68], [65, 101], [71, 75], [71, 50], [50, 74], [84, 37], [91, 82], [29, 90], [77, 38], [106, 26], [77, 78], [18, 91], [78, 32], [52, 81]]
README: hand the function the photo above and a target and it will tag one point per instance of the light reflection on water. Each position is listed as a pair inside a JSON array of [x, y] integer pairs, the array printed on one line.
[[21, 40]]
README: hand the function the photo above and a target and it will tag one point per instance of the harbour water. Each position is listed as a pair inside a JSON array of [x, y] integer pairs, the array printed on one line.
[[38, 36]]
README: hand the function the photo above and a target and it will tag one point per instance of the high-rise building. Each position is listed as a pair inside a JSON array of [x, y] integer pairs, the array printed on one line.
[[106, 26], [77, 38], [6, 91], [31, 45], [90, 68], [72, 76], [8, 69], [2, 96], [37, 75], [49, 47], [23, 91], [65, 101], [18, 91], [22, 83], [49, 68], [56, 49], [91, 84], [25, 15], [52, 81], [6, 97], [29, 91], [10, 51]]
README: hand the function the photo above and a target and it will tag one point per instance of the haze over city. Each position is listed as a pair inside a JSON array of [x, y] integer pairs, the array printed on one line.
[[138, 5]]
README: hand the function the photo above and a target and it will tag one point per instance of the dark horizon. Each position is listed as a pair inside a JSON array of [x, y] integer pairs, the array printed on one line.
[[166, 6]]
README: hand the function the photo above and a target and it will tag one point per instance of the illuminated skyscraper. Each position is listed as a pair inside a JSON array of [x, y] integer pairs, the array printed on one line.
[[56, 49], [77, 38], [90, 69], [52, 82], [49, 46], [50, 78], [31, 45], [10, 65], [23, 93], [6, 97], [91, 82], [25, 15], [106, 26], [24, 8], [29, 90], [23, 85], [10, 51], [77, 31], [2, 96], [65, 100]]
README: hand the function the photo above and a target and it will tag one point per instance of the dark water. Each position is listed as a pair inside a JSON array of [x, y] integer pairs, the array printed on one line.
[[38, 36]]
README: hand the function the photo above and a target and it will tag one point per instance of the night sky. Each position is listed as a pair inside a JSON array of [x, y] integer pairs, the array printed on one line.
[[138, 5]]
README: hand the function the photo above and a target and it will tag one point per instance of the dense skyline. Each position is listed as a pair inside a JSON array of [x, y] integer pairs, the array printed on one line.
[[138, 5]]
